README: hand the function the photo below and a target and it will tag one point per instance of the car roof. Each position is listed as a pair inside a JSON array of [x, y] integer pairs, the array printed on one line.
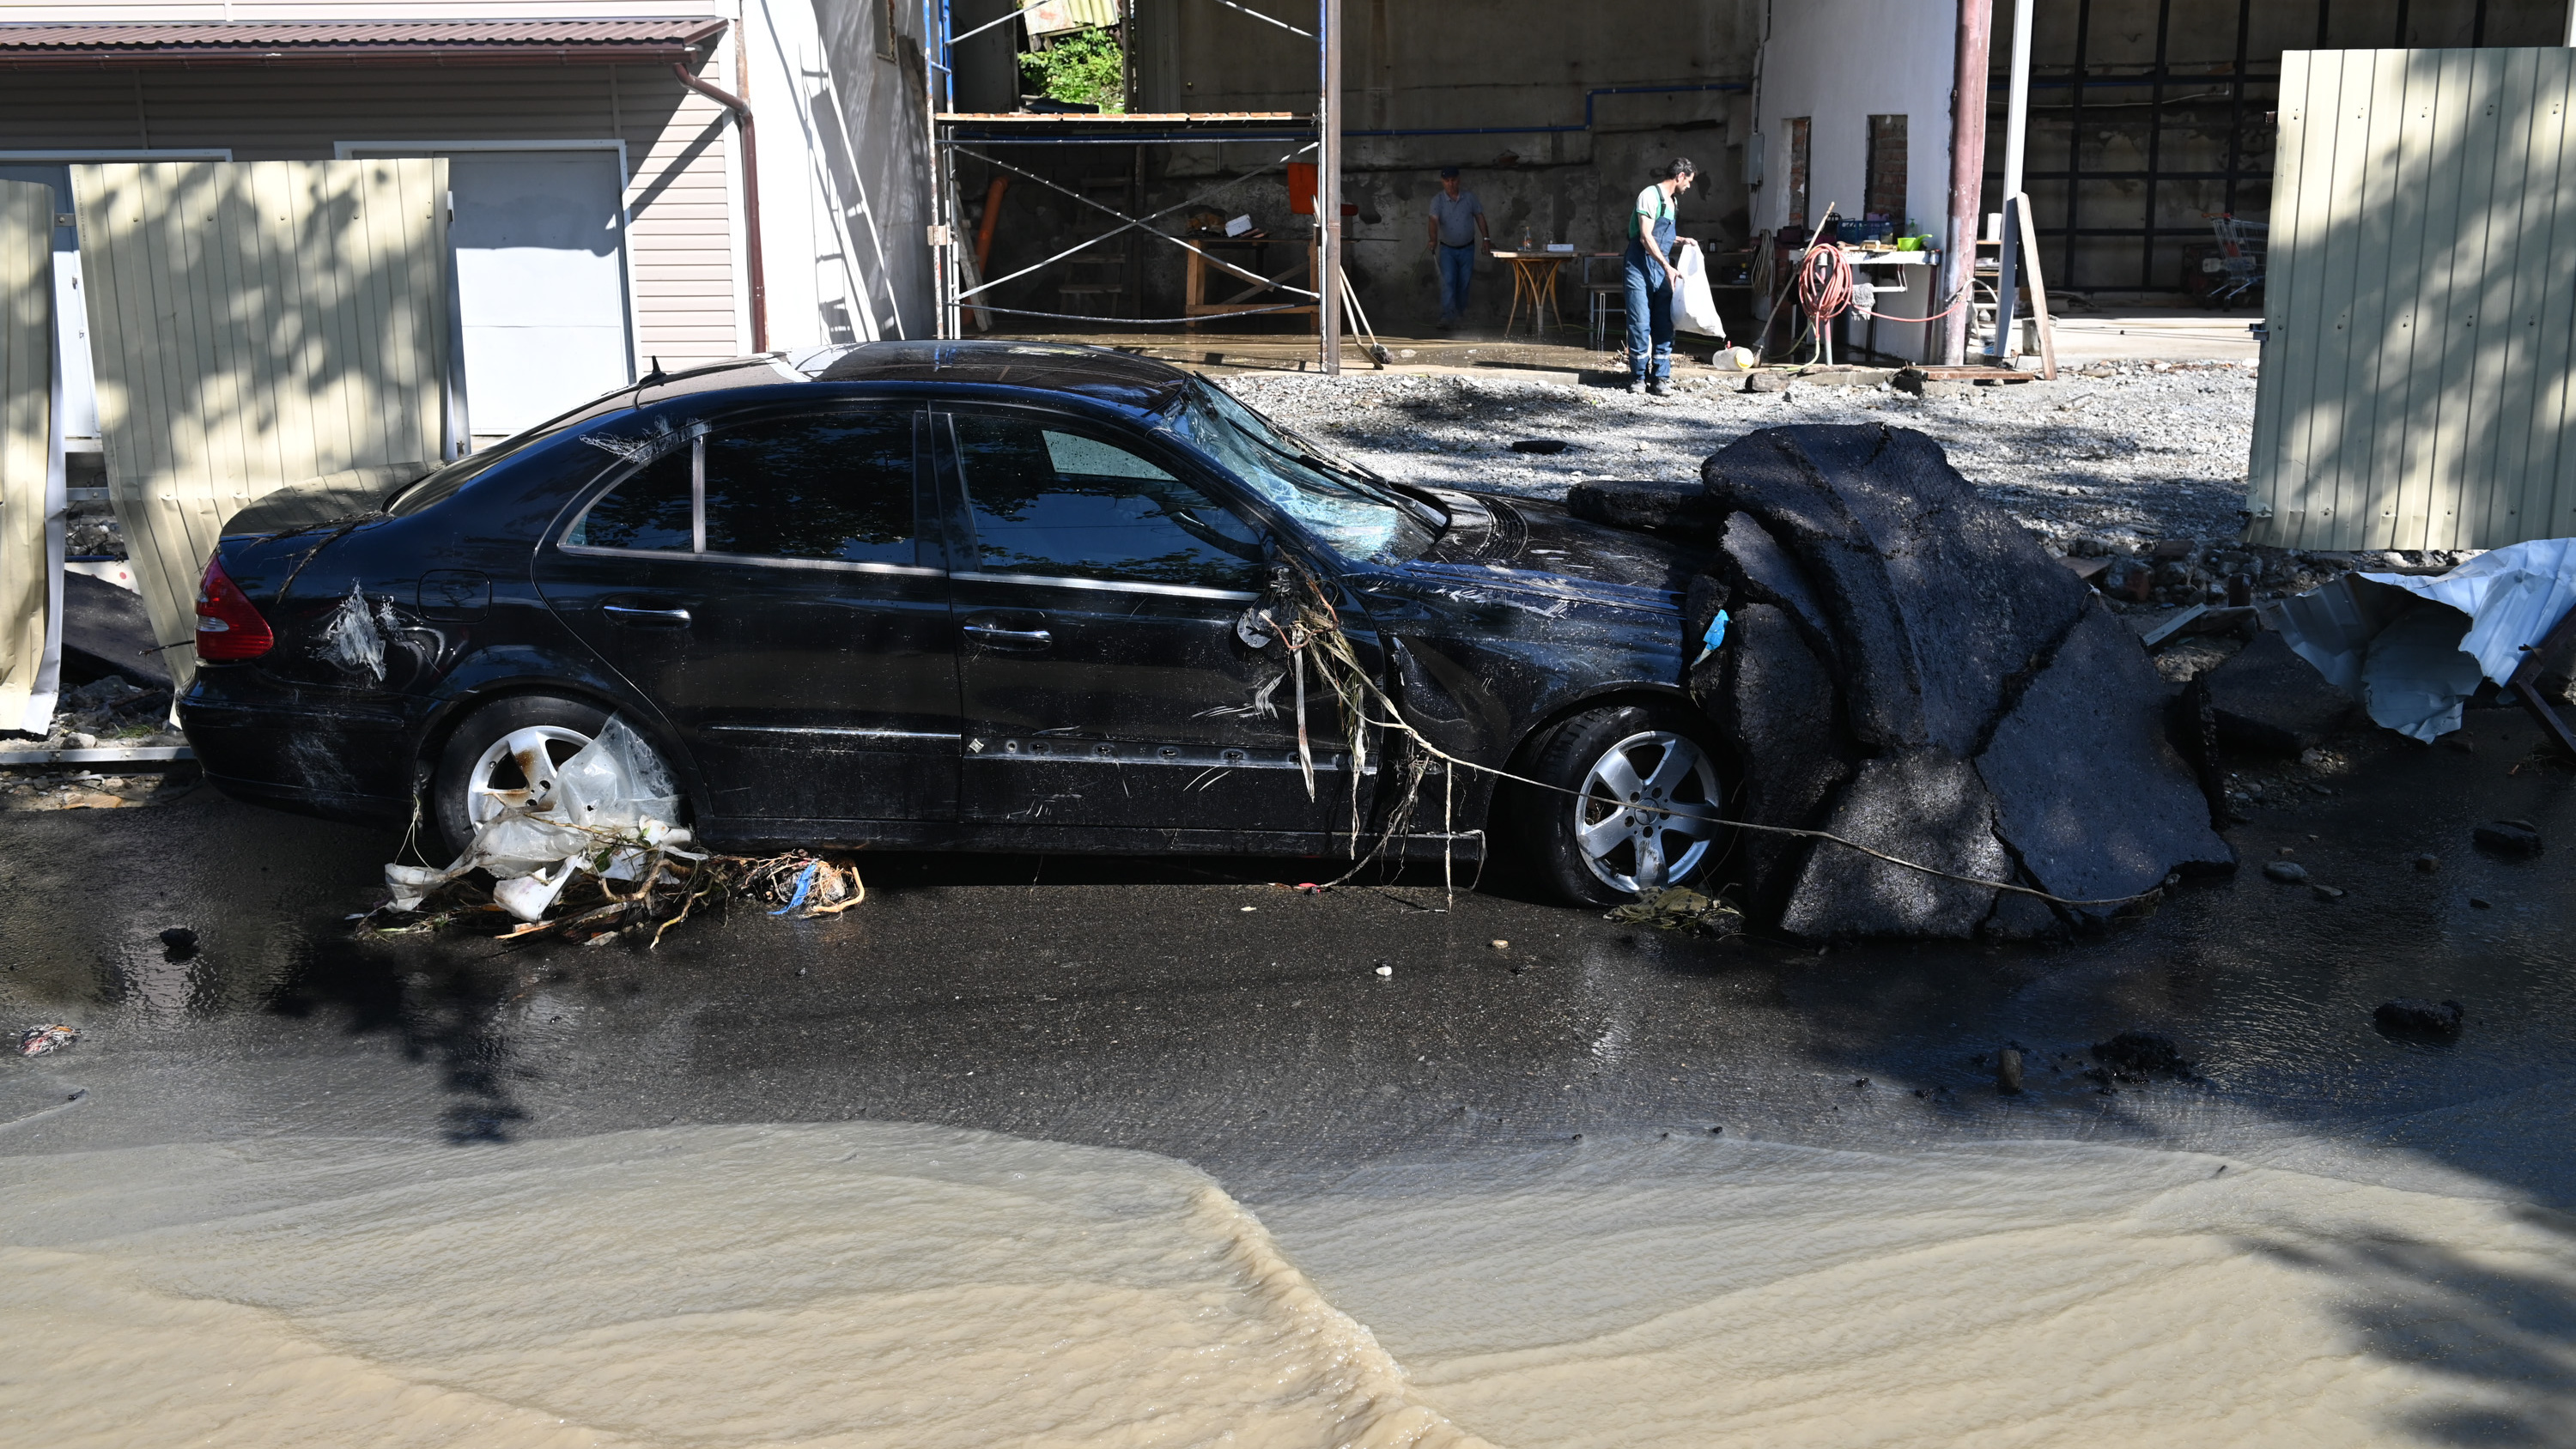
[[1099, 373]]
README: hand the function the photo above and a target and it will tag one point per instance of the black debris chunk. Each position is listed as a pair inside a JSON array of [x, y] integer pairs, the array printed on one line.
[[2141, 1053], [2419, 1020], [1775, 700], [1544, 446], [1921, 807], [1672, 508], [2508, 837], [2267, 699], [2428, 864], [178, 943], [2008, 1072], [2287, 872]]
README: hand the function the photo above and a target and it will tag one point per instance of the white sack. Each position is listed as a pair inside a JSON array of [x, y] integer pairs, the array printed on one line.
[[1694, 308]]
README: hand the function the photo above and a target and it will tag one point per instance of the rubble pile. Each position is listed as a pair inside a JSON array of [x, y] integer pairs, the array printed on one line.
[[1907, 668]]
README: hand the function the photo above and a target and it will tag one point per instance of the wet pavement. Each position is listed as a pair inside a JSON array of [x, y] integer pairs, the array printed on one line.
[[1205, 1010]]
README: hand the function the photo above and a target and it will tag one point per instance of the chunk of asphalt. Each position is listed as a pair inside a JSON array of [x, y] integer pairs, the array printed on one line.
[[1939, 600], [2287, 872], [2008, 1072], [2509, 837], [2141, 1051], [1921, 806], [2095, 715], [1676, 509], [2267, 699], [2409, 1017], [1774, 699], [1754, 563]]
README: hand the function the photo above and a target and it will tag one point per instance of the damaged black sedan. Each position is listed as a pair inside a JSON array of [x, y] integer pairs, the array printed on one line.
[[982, 596]]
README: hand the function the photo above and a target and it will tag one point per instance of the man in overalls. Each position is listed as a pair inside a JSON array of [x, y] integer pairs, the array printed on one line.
[[1651, 278]]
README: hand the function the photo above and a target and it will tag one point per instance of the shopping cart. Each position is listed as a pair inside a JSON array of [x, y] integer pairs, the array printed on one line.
[[2241, 247]]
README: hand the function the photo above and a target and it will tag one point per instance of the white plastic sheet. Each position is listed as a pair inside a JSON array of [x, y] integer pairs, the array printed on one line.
[[2413, 648], [612, 808], [1694, 306]]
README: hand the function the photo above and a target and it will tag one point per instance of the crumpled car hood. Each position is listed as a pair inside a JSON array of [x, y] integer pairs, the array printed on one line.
[[1522, 545]]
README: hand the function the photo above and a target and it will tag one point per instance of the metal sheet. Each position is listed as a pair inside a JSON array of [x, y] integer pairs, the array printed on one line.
[[256, 325], [31, 482], [2422, 292]]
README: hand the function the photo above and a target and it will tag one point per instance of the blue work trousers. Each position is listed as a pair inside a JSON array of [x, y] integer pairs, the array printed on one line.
[[1457, 269], [1650, 310]]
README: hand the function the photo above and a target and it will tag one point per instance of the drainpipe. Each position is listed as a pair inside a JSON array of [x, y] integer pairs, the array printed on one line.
[[1967, 172], [750, 200]]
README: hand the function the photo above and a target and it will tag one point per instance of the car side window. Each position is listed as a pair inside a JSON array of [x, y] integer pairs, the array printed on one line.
[[1052, 501], [650, 510], [831, 486], [835, 486]]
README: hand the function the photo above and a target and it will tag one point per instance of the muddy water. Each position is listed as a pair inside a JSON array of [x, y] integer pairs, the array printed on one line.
[[846, 1285], [1693, 1293], [870, 1284]]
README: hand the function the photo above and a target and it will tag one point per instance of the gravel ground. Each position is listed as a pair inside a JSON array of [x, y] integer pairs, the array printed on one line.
[[2127, 454]]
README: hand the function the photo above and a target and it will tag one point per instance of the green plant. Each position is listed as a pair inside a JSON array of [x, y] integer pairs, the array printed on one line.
[[1083, 68]]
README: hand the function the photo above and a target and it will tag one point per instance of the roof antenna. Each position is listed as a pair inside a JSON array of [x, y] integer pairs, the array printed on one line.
[[656, 375]]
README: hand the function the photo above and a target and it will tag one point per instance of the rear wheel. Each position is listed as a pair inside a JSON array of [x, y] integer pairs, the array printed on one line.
[[1633, 809], [504, 755]]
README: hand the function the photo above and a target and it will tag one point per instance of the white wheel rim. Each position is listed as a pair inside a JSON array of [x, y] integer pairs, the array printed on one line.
[[518, 771], [1621, 825]]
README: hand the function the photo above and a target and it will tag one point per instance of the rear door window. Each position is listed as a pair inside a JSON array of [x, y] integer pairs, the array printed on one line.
[[832, 487], [1051, 499]]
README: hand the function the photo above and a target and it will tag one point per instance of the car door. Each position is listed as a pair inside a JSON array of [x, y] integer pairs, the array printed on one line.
[[1103, 678], [765, 581]]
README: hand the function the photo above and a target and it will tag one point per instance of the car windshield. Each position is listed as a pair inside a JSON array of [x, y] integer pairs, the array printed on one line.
[[1358, 516]]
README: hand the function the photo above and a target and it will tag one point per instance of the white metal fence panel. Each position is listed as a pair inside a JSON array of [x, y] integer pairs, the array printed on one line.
[[2421, 303], [30, 467], [256, 324]]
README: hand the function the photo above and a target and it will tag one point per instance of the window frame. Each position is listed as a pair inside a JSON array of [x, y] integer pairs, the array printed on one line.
[[926, 509], [1185, 467]]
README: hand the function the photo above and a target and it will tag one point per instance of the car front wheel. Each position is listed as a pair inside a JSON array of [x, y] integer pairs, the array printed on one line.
[[1633, 807]]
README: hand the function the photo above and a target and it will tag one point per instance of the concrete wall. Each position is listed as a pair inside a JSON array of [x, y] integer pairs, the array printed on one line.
[[1499, 89], [1839, 62]]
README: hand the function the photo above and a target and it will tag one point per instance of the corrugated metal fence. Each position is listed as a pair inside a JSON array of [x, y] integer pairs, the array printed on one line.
[[26, 441], [2421, 303], [256, 324]]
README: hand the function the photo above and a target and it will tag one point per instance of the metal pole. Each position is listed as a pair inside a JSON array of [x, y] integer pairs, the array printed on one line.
[[2156, 131], [2571, 23], [2016, 132], [1328, 186], [2075, 140], [1967, 172]]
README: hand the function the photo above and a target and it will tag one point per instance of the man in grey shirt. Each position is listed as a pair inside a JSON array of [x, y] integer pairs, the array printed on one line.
[[1457, 227]]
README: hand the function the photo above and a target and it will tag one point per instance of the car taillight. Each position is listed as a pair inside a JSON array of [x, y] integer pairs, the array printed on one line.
[[227, 626]]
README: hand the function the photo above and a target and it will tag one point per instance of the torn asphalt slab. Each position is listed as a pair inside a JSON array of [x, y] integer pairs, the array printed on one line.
[[1909, 670]]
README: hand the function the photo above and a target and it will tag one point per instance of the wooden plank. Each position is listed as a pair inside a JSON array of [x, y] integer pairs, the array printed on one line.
[[2046, 328]]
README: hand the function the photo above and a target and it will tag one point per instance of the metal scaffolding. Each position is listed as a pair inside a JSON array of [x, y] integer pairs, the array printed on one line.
[[973, 136]]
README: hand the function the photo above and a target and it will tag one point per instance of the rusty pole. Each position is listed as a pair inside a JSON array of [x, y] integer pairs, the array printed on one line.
[[1967, 173]]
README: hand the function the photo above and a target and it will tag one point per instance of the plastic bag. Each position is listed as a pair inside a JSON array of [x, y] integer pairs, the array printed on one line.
[[1694, 307]]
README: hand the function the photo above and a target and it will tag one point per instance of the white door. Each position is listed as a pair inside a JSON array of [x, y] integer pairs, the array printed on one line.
[[540, 243]]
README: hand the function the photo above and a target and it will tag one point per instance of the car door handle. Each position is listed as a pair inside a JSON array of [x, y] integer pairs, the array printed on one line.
[[996, 635], [646, 618]]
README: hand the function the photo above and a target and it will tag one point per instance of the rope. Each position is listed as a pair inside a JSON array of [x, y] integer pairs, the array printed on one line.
[[1327, 625], [1139, 321], [1824, 284]]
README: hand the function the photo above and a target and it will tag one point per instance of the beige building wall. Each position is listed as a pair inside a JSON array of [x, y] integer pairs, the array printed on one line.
[[26, 442], [2421, 303], [257, 324], [680, 151]]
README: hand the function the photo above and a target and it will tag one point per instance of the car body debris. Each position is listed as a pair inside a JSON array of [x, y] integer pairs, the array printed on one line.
[[1684, 911]]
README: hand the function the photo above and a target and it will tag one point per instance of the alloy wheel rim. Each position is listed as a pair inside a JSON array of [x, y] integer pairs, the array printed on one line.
[[1621, 825], [518, 771]]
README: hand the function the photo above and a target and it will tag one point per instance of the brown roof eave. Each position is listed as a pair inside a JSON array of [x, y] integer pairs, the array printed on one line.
[[194, 57]]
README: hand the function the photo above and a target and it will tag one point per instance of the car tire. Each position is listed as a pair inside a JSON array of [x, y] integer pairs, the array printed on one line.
[[1583, 843], [480, 767]]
